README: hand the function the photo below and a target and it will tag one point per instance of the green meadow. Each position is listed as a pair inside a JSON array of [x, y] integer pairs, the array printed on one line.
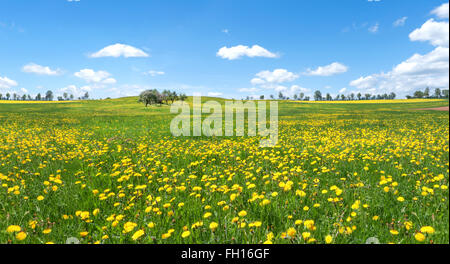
[[110, 171]]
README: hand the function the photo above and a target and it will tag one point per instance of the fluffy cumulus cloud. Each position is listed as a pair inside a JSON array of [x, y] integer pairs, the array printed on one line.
[[435, 62], [119, 50], [41, 70], [273, 77], [6, 83], [290, 91], [298, 89], [328, 70], [92, 76], [275, 81], [441, 11], [240, 51], [418, 71], [76, 91], [432, 31]]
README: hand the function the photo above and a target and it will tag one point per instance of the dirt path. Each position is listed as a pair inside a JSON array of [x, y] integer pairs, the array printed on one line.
[[444, 108]]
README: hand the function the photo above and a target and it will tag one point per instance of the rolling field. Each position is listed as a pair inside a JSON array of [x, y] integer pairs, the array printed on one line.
[[111, 172]]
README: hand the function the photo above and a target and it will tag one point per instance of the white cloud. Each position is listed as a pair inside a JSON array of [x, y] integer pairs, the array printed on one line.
[[441, 11], [109, 81], [6, 83], [328, 70], [296, 88], [119, 50], [434, 32], [281, 88], [374, 28], [77, 92], [273, 80], [435, 62], [277, 76], [23, 90], [291, 91], [239, 51], [41, 70], [400, 22], [343, 90], [418, 71], [155, 73], [92, 76]]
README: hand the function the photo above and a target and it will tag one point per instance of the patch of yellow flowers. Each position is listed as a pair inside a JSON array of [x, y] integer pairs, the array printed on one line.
[[331, 179]]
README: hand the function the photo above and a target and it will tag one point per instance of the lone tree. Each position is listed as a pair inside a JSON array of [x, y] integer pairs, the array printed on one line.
[[49, 96], [173, 96], [418, 94], [183, 97], [426, 94], [149, 97], [437, 93], [392, 96], [280, 96], [317, 96]]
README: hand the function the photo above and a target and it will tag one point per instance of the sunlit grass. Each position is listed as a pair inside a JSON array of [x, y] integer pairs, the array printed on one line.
[[111, 172]]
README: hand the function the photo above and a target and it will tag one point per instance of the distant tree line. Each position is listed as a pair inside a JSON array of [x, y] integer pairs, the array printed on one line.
[[49, 96], [328, 97], [438, 94], [151, 97]]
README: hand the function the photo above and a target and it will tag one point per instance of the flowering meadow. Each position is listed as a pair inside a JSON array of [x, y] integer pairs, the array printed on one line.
[[111, 172]]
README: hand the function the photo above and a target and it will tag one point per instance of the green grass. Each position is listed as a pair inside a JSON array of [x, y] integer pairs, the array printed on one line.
[[85, 147]]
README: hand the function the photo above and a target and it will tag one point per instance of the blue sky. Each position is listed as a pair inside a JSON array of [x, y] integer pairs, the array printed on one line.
[[225, 48]]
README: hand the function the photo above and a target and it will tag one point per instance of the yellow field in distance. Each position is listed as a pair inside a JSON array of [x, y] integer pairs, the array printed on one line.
[[373, 101], [35, 102]]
